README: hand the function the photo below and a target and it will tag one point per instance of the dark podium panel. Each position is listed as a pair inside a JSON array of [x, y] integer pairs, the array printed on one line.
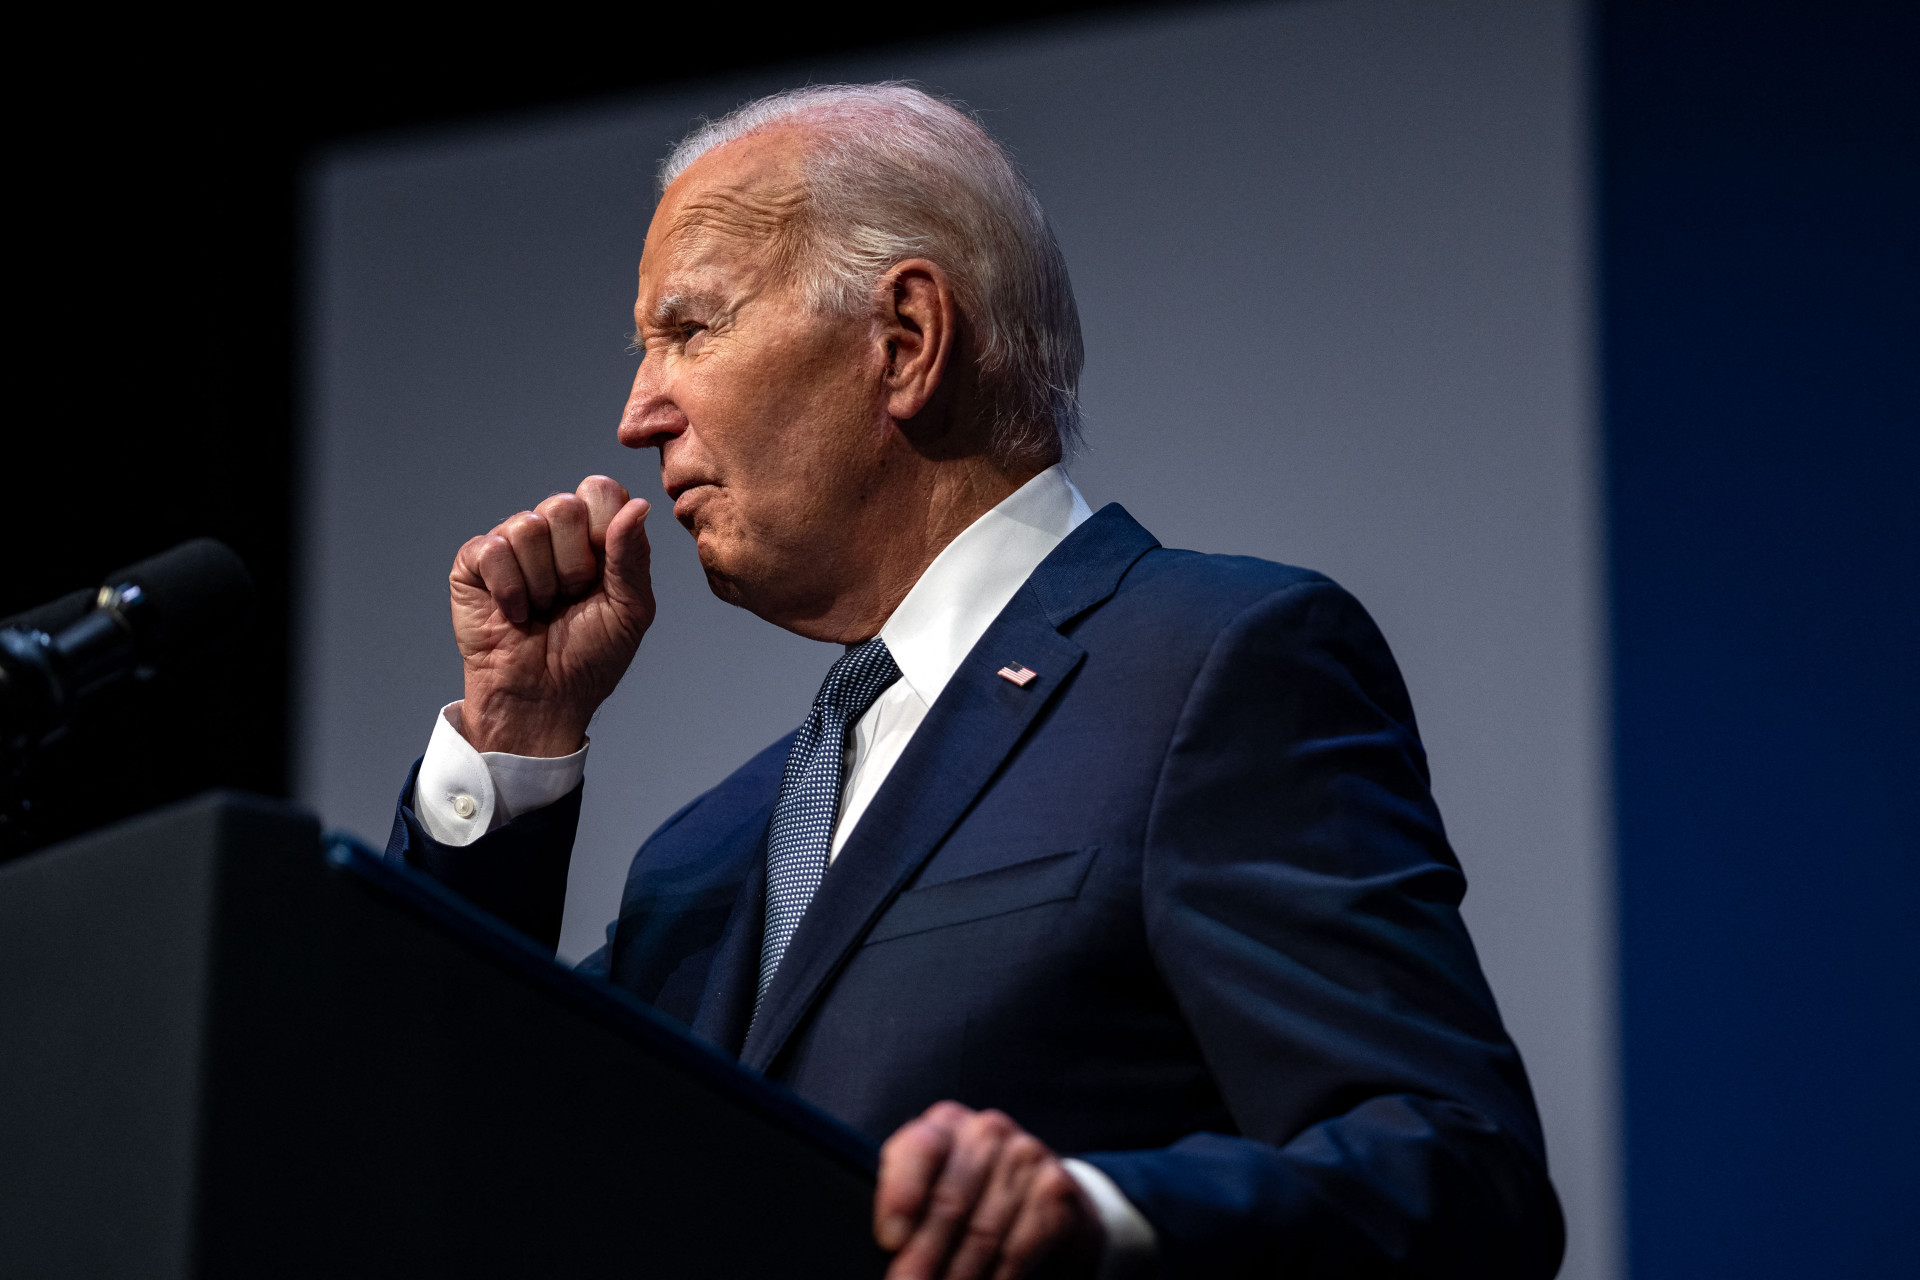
[[227, 1052]]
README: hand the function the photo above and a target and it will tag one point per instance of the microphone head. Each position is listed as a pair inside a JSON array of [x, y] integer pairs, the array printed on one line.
[[193, 598]]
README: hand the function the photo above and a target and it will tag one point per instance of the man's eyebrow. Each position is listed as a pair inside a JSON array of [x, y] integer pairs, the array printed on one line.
[[674, 308]]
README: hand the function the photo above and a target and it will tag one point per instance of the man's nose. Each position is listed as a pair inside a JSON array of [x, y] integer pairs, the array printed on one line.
[[651, 417]]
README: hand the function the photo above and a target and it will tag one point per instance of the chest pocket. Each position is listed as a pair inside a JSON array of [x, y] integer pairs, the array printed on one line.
[[1054, 877]]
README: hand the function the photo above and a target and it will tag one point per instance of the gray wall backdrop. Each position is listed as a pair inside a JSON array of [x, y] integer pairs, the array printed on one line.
[[1332, 263]]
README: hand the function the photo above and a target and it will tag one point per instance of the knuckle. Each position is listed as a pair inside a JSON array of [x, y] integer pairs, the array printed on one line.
[[998, 1122], [466, 561], [915, 1133], [1024, 1148], [987, 1129]]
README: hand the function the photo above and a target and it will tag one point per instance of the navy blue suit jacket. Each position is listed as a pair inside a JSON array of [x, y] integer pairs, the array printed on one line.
[[1183, 905]]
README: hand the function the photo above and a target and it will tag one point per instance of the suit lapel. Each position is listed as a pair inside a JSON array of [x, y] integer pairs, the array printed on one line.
[[726, 1003], [967, 733], [976, 722]]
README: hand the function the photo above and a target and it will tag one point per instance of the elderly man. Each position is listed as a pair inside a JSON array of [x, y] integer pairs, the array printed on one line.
[[1103, 881]]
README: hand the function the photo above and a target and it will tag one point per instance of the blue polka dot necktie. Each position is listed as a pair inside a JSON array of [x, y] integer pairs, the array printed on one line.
[[801, 836]]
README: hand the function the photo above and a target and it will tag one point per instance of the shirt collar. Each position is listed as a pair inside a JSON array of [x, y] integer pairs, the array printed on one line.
[[974, 577]]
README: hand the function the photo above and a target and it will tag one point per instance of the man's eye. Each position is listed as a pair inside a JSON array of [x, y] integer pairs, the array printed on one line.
[[696, 338]]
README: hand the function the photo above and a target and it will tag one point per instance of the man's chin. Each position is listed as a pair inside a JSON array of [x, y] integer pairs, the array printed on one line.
[[770, 597], [725, 587], [735, 582]]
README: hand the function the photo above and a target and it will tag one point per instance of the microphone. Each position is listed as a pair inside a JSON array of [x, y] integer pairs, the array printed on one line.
[[146, 619]]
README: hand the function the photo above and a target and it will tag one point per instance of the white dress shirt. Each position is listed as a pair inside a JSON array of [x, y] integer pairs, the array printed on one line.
[[462, 793]]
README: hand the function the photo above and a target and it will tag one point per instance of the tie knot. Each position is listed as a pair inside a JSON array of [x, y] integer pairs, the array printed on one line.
[[856, 678]]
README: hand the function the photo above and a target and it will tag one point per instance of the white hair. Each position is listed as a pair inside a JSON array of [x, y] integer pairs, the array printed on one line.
[[892, 172]]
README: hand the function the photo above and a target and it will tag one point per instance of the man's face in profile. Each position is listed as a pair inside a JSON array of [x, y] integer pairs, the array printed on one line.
[[769, 415]]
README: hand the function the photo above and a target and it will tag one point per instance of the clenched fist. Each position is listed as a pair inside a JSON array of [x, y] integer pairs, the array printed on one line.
[[548, 608], [970, 1195]]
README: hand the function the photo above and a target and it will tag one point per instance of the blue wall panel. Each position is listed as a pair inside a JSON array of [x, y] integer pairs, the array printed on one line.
[[1758, 224]]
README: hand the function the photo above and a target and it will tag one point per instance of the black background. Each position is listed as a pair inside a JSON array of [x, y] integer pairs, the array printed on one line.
[[158, 226]]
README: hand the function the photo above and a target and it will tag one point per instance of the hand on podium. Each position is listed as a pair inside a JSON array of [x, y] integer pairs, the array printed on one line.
[[970, 1195]]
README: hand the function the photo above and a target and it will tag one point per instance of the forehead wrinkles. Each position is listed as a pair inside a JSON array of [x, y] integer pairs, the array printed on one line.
[[750, 211], [763, 219]]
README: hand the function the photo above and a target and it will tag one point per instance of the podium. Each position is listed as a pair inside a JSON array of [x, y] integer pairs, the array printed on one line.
[[229, 1051]]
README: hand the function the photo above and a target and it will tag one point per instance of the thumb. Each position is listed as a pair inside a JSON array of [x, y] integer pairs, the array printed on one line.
[[629, 575]]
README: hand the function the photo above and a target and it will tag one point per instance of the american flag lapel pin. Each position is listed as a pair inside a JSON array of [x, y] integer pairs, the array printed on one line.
[[1018, 674]]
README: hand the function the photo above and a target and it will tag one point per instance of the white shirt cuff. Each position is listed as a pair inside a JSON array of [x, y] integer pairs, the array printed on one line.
[[461, 794], [1131, 1251]]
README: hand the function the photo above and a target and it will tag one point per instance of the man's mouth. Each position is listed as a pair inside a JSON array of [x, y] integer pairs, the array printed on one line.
[[687, 499]]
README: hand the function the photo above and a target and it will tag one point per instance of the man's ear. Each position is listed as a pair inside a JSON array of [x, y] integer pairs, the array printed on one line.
[[918, 321]]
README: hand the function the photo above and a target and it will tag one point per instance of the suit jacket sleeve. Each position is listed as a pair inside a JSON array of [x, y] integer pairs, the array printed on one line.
[[1302, 903], [518, 872]]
